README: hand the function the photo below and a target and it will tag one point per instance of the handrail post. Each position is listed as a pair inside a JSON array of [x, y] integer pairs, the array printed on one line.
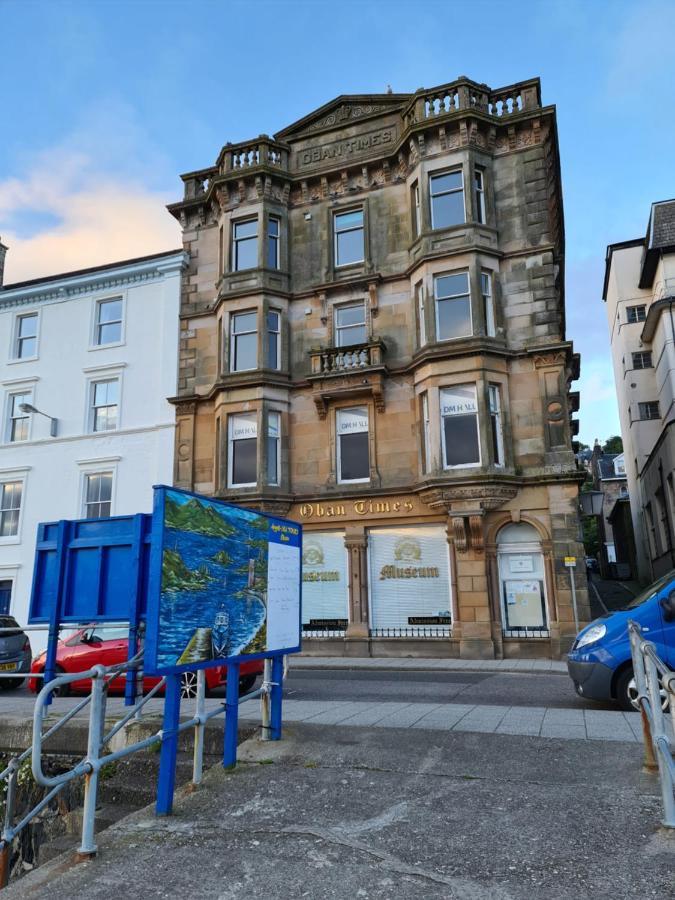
[[96, 724], [277, 692], [649, 763], [231, 715], [198, 755], [265, 701], [660, 738], [7, 836], [169, 749]]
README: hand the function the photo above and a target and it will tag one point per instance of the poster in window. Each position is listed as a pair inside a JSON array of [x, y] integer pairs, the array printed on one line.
[[524, 604]]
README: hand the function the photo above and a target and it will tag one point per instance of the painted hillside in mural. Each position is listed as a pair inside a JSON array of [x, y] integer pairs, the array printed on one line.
[[213, 601]]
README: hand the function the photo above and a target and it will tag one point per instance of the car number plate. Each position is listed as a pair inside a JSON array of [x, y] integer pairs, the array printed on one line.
[[7, 667]]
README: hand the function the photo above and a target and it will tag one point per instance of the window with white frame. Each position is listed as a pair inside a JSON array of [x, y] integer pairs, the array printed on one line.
[[416, 209], [244, 245], [273, 242], [350, 324], [353, 461], [18, 420], [243, 341], [636, 314], [97, 495], [242, 450], [488, 303], [10, 507], [349, 237], [496, 424], [108, 322], [426, 433], [453, 306], [273, 447], [479, 189], [273, 339], [421, 313], [25, 343], [459, 435], [104, 409], [446, 193], [6, 586]]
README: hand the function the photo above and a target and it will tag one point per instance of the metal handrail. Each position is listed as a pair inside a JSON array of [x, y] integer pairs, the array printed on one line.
[[647, 666], [90, 766]]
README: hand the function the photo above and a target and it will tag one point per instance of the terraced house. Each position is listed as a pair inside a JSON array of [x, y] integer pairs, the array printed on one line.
[[373, 343]]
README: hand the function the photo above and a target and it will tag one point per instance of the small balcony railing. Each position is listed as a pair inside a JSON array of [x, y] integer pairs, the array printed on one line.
[[344, 360]]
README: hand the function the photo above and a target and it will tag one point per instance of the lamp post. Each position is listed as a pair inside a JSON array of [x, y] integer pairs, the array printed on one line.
[[53, 423]]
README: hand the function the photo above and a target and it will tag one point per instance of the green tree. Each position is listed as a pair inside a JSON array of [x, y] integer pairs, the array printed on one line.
[[613, 444]]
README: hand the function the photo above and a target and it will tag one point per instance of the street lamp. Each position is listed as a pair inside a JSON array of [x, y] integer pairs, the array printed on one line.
[[29, 408], [591, 502]]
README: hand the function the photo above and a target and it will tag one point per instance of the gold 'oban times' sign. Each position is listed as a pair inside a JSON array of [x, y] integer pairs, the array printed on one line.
[[356, 508]]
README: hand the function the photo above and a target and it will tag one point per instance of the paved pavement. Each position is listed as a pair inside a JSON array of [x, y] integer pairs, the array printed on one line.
[[360, 814], [607, 595], [428, 665]]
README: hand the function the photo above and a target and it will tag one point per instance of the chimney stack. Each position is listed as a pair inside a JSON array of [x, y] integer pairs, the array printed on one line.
[[3, 253]]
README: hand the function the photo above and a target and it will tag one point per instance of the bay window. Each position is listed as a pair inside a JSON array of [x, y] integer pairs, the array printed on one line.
[[273, 339], [244, 245], [453, 306], [242, 450], [446, 192], [353, 463], [479, 189], [421, 322], [273, 447], [273, 243], [459, 434], [243, 341], [496, 428]]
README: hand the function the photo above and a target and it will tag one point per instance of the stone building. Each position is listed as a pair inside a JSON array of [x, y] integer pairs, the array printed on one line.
[[373, 344]]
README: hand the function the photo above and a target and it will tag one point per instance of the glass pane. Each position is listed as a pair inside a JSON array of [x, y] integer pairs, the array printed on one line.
[[272, 252], [105, 393], [350, 420], [243, 426], [452, 285], [273, 321], [354, 456], [27, 326], [244, 322], [454, 319], [19, 430], [349, 247], [27, 347], [273, 227], [356, 334], [110, 334], [246, 254], [105, 492], [458, 400], [273, 350], [448, 209], [496, 455], [351, 315], [461, 440], [245, 352], [244, 461], [11, 495], [349, 220], [246, 229], [451, 181], [273, 424], [9, 523], [104, 510], [93, 488], [110, 311], [272, 459]]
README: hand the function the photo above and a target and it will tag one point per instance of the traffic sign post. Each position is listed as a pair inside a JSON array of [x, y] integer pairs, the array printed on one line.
[[571, 564]]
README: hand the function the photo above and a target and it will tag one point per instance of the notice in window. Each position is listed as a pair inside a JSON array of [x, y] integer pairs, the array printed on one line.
[[283, 586]]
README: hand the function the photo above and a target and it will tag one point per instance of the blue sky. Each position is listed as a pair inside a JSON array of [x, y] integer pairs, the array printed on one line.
[[105, 103]]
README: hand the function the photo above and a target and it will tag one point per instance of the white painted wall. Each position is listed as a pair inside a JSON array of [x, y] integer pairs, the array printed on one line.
[[140, 451]]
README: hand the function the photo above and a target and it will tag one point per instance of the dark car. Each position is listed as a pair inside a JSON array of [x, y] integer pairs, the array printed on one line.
[[15, 653], [107, 645]]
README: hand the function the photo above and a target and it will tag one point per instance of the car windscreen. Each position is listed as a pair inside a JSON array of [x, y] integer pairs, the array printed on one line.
[[8, 622], [650, 591]]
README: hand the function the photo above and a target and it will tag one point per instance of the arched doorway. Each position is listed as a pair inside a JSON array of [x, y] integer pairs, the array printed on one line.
[[522, 581]]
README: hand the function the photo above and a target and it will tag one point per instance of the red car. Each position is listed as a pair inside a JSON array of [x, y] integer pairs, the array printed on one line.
[[107, 645]]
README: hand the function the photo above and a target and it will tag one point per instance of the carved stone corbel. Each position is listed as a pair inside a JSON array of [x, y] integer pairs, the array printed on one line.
[[459, 534], [372, 292], [476, 532]]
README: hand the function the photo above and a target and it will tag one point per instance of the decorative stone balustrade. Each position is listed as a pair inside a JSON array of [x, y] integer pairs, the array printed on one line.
[[258, 153], [464, 94], [343, 360]]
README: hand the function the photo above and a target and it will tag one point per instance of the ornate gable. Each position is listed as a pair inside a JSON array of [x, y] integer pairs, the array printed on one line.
[[342, 112]]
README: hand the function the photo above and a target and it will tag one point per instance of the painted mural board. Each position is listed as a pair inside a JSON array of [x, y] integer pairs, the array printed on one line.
[[224, 584]]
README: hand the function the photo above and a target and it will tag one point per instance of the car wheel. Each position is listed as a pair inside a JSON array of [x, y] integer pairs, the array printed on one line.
[[64, 689], [626, 691], [8, 684], [188, 685], [246, 682]]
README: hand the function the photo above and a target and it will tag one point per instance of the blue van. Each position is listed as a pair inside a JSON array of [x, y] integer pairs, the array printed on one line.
[[599, 662]]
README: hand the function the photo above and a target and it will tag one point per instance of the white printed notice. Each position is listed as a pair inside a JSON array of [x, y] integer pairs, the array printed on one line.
[[283, 588]]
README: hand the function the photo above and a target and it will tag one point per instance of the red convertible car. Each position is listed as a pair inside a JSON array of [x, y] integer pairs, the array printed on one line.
[[107, 645]]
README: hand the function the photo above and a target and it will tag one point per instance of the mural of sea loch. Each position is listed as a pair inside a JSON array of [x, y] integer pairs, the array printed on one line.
[[213, 600]]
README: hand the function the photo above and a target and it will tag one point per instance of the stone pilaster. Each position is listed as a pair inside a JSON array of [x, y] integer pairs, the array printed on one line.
[[356, 542]]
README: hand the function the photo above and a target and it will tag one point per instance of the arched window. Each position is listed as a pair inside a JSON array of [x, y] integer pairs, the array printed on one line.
[[522, 585]]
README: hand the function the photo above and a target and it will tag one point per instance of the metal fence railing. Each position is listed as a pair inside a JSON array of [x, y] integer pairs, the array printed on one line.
[[99, 739], [417, 631], [655, 684]]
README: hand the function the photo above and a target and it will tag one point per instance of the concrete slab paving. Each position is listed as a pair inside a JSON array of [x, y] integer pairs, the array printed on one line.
[[341, 813], [421, 665]]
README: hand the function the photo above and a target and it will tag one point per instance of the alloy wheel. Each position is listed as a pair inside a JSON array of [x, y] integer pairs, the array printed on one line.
[[633, 696], [188, 685]]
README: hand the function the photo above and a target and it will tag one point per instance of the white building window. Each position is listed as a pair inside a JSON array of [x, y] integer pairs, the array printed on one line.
[[97, 495], [649, 410], [244, 342], [349, 244], [459, 435], [108, 322], [479, 188], [325, 584], [18, 420], [421, 314], [447, 199], [488, 303], [10, 507], [642, 359], [273, 447], [273, 243], [453, 306], [350, 324], [104, 410], [636, 314], [273, 339], [496, 429], [353, 462], [242, 457], [245, 245], [26, 336]]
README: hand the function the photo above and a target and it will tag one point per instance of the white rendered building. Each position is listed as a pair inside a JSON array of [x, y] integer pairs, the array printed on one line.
[[639, 292], [95, 352]]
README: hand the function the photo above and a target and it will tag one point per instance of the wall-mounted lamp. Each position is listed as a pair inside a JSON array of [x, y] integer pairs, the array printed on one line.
[[53, 423]]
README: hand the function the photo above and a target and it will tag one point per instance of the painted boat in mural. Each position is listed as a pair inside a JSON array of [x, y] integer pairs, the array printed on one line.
[[220, 634]]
